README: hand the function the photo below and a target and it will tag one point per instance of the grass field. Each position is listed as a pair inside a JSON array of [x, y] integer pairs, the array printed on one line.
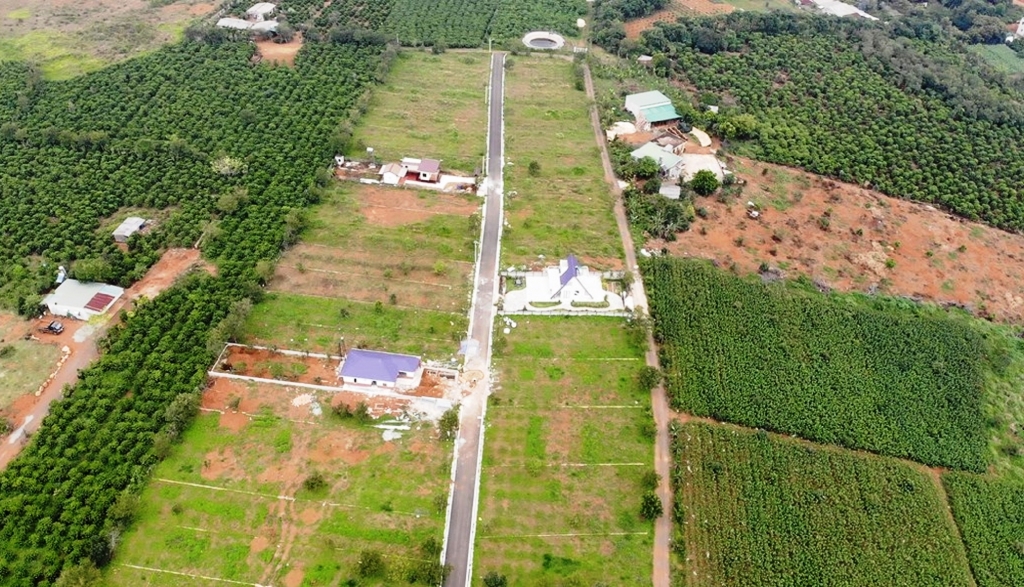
[[388, 268], [230, 504], [990, 513], [863, 372], [565, 206], [405, 247], [556, 464], [316, 324], [432, 106], [1000, 57], [24, 368], [67, 40], [760, 510]]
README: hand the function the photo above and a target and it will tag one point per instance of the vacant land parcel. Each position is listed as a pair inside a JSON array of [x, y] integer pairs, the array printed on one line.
[[24, 364], [567, 449], [558, 200], [70, 38], [432, 106], [872, 373], [758, 510], [266, 492], [376, 265]]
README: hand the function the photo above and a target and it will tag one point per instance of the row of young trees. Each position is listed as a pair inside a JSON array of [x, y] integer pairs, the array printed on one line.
[[237, 151]]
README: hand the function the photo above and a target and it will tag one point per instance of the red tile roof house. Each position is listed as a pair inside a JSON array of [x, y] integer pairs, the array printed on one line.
[[380, 369], [428, 170]]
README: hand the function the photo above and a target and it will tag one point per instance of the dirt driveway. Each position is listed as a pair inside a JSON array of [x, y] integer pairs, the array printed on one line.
[[79, 340]]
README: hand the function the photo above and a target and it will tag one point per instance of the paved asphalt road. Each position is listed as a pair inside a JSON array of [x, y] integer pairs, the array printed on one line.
[[461, 528]]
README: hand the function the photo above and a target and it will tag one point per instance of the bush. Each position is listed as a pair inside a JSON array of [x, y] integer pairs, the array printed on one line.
[[704, 182], [315, 482], [448, 425], [650, 506], [371, 564], [493, 579], [648, 378]]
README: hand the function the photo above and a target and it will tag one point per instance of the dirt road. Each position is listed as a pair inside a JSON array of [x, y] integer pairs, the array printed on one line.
[[659, 403], [80, 339], [461, 528]]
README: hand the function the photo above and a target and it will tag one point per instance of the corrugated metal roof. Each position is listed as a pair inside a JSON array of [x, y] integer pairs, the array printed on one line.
[[261, 8], [99, 302], [234, 23], [130, 226], [661, 113], [265, 26], [430, 166], [665, 159], [377, 365], [77, 294], [647, 99]]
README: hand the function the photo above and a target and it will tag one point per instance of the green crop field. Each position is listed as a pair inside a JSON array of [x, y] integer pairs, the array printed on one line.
[[432, 106], [871, 373], [231, 504], [990, 513], [754, 509], [569, 438], [564, 206], [1000, 57]]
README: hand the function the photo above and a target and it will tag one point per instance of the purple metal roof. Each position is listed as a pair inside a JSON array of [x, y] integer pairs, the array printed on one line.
[[429, 166], [377, 365], [571, 269]]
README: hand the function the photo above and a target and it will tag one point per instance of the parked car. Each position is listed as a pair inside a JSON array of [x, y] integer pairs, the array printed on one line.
[[54, 327]]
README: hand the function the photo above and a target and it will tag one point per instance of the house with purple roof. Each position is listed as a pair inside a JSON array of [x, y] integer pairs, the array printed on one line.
[[380, 369]]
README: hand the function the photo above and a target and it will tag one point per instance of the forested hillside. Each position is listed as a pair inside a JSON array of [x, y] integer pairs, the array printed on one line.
[[911, 117], [237, 147]]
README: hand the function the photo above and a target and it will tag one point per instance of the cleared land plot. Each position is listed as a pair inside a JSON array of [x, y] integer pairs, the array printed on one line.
[[1000, 57], [935, 256], [564, 206], [260, 525], [71, 38], [432, 106], [401, 247], [556, 463], [759, 510], [317, 324], [873, 373], [990, 513], [24, 364]]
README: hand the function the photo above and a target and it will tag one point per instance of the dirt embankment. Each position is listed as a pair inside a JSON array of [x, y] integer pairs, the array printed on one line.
[[852, 238]]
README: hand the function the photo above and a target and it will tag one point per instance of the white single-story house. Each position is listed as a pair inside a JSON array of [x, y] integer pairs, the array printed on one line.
[[670, 163], [652, 109], [260, 11], [644, 59], [428, 170], [381, 369], [234, 23], [391, 174], [126, 229], [81, 300], [559, 288]]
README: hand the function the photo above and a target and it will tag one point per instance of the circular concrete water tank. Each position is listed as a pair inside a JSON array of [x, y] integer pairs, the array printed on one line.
[[543, 40]]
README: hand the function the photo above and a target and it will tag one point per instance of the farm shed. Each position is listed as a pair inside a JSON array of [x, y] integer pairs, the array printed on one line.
[[81, 300], [126, 229], [651, 109], [391, 174], [266, 26], [381, 369], [260, 11], [670, 163], [234, 23]]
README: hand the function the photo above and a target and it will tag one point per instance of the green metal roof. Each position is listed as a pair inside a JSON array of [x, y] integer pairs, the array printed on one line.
[[660, 113]]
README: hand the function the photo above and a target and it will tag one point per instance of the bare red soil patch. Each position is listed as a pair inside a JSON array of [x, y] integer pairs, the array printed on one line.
[[267, 364], [221, 464], [258, 544], [233, 421], [852, 238], [310, 516], [677, 9], [283, 53], [294, 577], [338, 445], [399, 207]]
